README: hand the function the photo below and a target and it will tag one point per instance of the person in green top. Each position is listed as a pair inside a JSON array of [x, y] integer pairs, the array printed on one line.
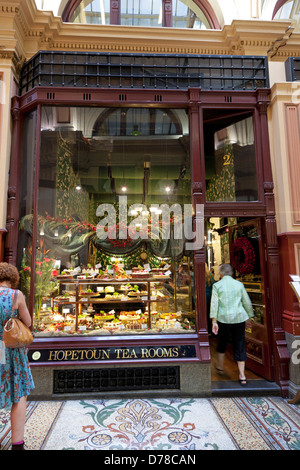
[[229, 309]]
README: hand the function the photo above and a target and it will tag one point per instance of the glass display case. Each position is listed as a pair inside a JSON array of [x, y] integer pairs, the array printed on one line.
[[93, 303]]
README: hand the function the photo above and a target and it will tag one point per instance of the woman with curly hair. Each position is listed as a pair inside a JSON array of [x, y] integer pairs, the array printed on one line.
[[15, 376]]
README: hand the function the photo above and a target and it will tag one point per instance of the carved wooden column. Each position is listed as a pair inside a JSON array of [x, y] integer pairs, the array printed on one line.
[[167, 13], [281, 355], [3, 232], [12, 219], [115, 11], [197, 168]]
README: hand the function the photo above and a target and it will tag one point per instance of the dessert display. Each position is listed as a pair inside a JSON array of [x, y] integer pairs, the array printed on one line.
[[91, 301]]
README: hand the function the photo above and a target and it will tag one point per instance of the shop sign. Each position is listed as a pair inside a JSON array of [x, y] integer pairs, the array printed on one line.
[[111, 354]]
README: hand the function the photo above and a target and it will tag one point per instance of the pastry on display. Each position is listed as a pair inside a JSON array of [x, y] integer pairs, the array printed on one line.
[[114, 296], [87, 293], [103, 316], [113, 325], [125, 287], [90, 309], [57, 317], [129, 316], [142, 274], [119, 273], [170, 316], [162, 323], [65, 274], [109, 289], [104, 275], [133, 294]]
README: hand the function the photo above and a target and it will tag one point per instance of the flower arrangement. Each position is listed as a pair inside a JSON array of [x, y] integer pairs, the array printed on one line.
[[43, 276]]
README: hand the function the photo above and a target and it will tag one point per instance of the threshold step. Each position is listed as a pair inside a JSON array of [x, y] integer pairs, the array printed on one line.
[[253, 387]]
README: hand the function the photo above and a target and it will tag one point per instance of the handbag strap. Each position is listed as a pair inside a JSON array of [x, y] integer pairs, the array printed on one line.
[[14, 299]]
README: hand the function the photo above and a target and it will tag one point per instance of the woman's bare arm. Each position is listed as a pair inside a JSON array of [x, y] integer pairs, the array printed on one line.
[[22, 309]]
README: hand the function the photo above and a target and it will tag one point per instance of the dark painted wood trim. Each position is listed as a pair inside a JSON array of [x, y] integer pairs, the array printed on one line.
[[12, 218], [195, 100]]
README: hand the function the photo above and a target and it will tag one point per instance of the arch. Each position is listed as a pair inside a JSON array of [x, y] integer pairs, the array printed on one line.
[[277, 7], [209, 13], [204, 5], [173, 119], [69, 9]]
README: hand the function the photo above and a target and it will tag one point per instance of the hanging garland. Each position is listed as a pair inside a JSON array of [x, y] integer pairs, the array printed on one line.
[[243, 255]]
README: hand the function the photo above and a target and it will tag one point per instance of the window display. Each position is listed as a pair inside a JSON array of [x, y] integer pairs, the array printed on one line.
[[230, 164], [111, 254]]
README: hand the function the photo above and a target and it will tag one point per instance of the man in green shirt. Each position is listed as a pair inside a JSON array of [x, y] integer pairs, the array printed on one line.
[[229, 309]]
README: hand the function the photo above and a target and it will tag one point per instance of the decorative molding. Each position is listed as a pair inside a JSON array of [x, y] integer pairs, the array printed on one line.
[[31, 30], [293, 144]]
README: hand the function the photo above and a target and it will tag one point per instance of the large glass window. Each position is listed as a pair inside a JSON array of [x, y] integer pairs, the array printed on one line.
[[140, 13], [111, 253], [187, 14], [230, 164], [27, 196], [92, 12]]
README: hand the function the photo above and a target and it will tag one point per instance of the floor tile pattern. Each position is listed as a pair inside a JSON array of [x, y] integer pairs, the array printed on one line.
[[254, 423]]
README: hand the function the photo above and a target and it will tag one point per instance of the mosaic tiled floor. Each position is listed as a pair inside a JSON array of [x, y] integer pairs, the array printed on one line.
[[160, 424]]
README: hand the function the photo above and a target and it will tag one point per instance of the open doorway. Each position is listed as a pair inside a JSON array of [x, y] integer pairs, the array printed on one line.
[[240, 242]]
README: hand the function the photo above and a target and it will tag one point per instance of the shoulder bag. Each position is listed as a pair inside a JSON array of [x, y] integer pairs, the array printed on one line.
[[16, 334]]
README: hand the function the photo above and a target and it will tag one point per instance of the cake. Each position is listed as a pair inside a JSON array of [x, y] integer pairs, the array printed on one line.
[[139, 274], [104, 316], [129, 316], [109, 289], [133, 293], [114, 325]]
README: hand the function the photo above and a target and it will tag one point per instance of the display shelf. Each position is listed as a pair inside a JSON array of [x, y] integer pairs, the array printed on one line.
[[111, 306], [255, 292]]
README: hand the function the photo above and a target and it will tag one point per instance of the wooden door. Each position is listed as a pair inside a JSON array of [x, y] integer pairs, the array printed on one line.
[[247, 257]]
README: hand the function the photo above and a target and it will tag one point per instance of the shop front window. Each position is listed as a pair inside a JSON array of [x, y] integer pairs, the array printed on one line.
[[230, 163], [27, 197], [114, 185]]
